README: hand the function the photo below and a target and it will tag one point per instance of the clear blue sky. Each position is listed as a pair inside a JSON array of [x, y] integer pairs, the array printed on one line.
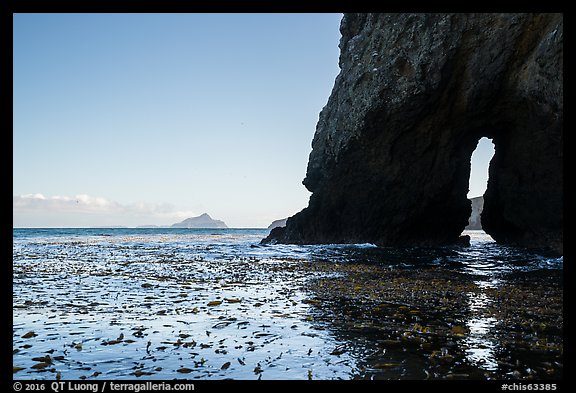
[[133, 119]]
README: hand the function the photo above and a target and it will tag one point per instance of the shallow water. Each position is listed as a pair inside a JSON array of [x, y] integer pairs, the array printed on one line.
[[214, 304]]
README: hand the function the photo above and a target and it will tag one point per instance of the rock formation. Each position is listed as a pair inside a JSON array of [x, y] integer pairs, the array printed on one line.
[[278, 223], [390, 158], [474, 222], [202, 221]]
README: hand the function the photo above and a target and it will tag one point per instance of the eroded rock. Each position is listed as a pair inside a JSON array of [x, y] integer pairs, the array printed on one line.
[[391, 153]]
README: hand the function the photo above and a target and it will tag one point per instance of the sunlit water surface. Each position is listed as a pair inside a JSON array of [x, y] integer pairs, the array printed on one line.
[[214, 304]]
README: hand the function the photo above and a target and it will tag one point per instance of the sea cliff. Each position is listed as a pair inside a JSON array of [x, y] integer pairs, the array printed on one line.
[[390, 158]]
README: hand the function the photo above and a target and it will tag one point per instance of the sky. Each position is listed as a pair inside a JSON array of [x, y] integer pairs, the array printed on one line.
[[148, 119], [480, 162]]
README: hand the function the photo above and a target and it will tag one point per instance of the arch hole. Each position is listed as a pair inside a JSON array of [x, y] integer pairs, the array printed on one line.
[[478, 182]]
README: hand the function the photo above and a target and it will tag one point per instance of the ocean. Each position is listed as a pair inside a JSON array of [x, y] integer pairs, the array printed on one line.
[[164, 303]]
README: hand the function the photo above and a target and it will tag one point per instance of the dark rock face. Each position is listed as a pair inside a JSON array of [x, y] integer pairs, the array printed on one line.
[[390, 158]]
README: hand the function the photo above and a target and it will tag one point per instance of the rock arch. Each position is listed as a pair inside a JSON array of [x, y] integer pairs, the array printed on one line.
[[390, 158]]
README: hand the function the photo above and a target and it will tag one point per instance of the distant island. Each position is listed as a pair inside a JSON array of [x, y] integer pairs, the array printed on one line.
[[202, 221]]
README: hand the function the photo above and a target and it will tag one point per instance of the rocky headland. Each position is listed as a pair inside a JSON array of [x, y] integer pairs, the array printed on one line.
[[390, 158]]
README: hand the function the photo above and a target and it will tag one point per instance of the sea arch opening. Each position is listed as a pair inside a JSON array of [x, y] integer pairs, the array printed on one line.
[[478, 180]]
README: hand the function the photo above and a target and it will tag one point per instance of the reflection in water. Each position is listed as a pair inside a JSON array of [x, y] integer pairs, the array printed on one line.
[[484, 311], [480, 344], [480, 348]]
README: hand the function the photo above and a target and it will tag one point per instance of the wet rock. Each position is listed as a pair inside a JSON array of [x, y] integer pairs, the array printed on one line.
[[390, 158], [464, 240]]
